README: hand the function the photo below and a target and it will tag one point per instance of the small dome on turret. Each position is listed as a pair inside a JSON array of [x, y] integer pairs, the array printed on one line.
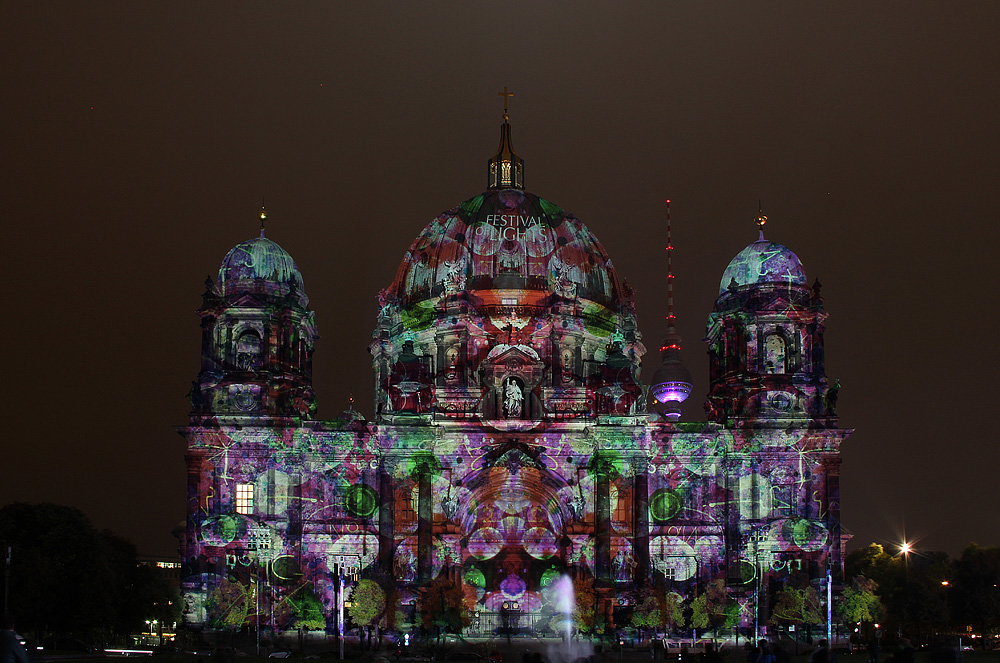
[[763, 262], [260, 265]]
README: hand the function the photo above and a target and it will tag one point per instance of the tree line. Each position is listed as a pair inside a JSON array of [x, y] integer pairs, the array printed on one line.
[[64, 577], [922, 594]]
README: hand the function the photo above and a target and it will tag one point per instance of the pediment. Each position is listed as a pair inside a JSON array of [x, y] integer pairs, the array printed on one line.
[[248, 300], [504, 355]]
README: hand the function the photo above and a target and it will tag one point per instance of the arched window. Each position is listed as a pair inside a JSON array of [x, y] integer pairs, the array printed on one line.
[[774, 354], [248, 351]]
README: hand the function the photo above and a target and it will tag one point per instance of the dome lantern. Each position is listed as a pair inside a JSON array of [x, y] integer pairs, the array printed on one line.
[[506, 169]]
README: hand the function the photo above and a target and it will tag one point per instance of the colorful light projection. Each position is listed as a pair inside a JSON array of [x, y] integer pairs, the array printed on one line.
[[510, 443]]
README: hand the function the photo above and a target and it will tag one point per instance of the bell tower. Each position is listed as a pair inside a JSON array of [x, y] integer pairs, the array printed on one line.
[[257, 336], [765, 336]]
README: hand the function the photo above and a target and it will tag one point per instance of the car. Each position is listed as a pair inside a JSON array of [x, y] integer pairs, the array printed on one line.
[[280, 653]]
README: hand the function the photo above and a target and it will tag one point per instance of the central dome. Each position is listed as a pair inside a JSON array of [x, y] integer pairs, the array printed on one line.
[[507, 239]]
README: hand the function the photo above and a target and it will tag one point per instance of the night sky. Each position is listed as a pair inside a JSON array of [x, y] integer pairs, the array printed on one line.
[[140, 138]]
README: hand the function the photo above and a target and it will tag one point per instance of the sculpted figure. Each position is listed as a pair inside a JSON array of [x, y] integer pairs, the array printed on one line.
[[513, 398]]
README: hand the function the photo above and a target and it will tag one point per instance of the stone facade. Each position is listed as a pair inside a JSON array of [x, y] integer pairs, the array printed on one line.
[[512, 441]]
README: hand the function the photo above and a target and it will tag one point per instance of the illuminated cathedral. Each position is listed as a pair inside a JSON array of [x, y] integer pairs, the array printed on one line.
[[512, 440]]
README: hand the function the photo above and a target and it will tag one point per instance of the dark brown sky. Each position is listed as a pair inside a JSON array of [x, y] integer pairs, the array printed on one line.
[[139, 139]]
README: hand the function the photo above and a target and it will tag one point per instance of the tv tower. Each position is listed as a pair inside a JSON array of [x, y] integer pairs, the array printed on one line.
[[672, 381]]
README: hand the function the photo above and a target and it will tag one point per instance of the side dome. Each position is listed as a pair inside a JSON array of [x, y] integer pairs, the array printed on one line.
[[507, 239], [261, 266], [763, 262]]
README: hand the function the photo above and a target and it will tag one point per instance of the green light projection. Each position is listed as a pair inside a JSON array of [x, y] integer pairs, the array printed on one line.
[[665, 505]]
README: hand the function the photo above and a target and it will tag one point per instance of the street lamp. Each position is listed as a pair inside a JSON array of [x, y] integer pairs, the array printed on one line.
[[947, 611], [905, 549]]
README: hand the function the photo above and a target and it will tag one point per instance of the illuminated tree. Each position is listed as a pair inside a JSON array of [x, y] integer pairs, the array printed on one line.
[[585, 609], [229, 604], [673, 613], [367, 603], [655, 608], [796, 606], [714, 608], [649, 608], [307, 609], [859, 602], [871, 561]]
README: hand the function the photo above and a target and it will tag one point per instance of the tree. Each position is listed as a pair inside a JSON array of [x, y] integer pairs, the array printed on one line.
[[585, 609], [796, 606], [229, 604], [673, 610], [68, 577], [367, 603], [307, 609], [908, 586], [872, 562], [442, 605], [714, 608], [649, 608], [859, 602], [699, 612], [977, 587]]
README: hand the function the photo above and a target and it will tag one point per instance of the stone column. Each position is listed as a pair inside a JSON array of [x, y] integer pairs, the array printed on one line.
[[602, 523], [386, 524], [425, 515], [640, 518]]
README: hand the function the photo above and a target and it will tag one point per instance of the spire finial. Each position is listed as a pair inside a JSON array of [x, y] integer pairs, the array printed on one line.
[[263, 218], [505, 94], [761, 218]]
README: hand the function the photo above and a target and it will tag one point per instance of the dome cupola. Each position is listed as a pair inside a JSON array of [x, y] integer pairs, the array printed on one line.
[[763, 262], [260, 266]]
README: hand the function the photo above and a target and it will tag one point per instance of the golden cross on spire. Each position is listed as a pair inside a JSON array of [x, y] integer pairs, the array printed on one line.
[[505, 94]]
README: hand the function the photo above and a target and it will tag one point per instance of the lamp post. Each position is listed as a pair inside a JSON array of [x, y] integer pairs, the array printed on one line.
[[905, 548], [947, 612]]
